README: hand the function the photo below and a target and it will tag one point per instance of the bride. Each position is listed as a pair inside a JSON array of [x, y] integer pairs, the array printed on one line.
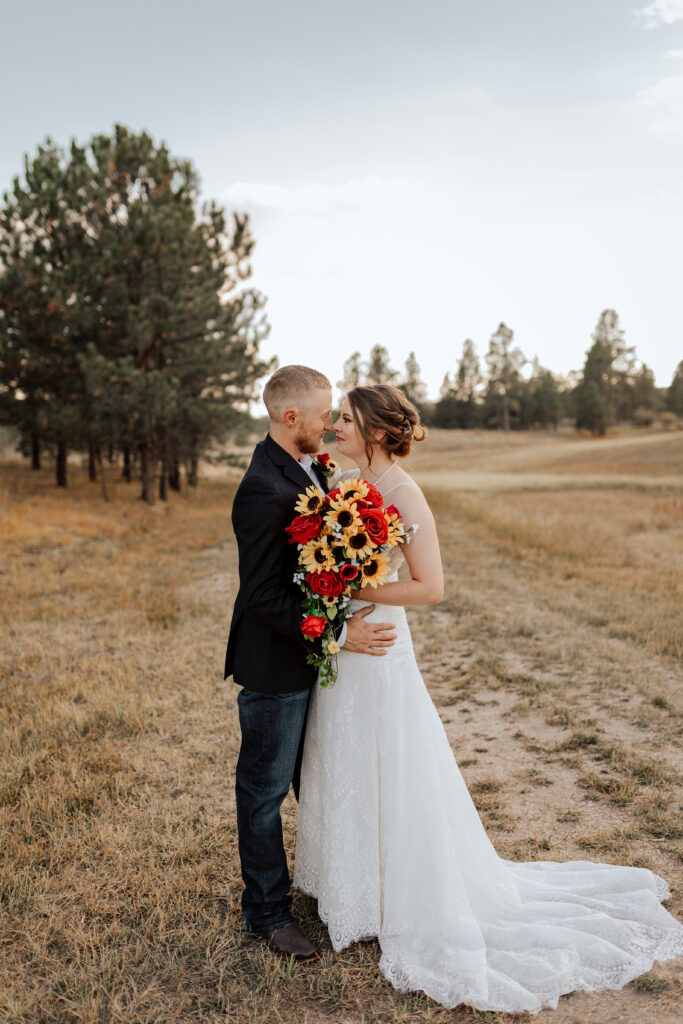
[[389, 841]]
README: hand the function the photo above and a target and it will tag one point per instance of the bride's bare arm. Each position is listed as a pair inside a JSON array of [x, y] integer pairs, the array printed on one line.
[[422, 554]]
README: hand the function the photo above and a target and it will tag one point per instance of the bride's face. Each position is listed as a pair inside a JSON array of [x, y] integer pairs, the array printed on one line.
[[349, 441]]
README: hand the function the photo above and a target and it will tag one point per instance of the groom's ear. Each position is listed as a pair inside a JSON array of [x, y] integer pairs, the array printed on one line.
[[290, 417]]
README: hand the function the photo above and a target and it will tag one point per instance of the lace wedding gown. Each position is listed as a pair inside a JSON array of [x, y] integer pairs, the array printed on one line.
[[391, 845]]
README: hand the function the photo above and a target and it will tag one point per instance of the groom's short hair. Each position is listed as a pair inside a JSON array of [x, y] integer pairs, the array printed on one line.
[[289, 385]]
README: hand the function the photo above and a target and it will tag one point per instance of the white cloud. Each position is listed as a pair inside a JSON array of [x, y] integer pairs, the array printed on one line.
[[665, 99], [667, 11], [676, 54]]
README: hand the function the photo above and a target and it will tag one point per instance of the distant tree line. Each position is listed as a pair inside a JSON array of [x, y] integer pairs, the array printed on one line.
[[126, 327], [612, 387], [128, 331]]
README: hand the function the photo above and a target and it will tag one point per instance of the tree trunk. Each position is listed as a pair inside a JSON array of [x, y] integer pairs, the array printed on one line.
[[148, 471], [61, 464], [105, 489], [192, 471], [506, 413], [110, 453], [163, 481], [35, 452], [92, 457], [174, 475], [126, 464]]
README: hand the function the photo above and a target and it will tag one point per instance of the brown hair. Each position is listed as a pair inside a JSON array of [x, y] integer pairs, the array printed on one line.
[[289, 385], [383, 407]]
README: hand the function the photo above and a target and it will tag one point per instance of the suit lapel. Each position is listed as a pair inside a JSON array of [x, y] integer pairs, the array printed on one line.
[[321, 478]]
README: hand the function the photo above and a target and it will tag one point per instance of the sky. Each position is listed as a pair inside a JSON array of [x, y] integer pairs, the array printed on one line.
[[415, 173]]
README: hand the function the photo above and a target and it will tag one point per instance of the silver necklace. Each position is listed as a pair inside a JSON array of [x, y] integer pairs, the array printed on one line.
[[378, 482]]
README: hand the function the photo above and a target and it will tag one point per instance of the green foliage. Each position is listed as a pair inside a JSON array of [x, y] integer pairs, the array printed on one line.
[[412, 384], [505, 364], [124, 317], [352, 373], [607, 392], [674, 394], [378, 370]]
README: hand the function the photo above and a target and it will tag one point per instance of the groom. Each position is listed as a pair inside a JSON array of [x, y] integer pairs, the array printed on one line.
[[267, 652]]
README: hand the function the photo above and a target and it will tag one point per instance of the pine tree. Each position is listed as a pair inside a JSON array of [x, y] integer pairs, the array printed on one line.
[[109, 270], [674, 394], [44, 315], [545, 404], [504, 365], [352, 373], [378, 370], [607, 376], [412, 384], [468, 374]]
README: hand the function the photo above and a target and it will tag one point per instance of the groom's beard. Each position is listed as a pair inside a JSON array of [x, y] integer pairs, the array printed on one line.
[[307, 443]]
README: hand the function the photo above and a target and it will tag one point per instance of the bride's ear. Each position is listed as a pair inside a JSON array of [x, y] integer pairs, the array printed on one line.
[[380, 435]]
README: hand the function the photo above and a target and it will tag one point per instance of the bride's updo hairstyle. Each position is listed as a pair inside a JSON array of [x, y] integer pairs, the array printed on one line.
[[382, 407]]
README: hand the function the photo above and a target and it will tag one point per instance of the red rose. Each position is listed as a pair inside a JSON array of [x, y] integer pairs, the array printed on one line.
[[348, 572], [323, 458], [327, 583], [391, 510], [375, 524], [373, 497], [332, 495], [304, 528], [313, 626]]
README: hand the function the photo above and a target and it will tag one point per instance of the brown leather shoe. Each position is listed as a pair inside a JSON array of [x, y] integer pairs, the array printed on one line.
[[290, 941]]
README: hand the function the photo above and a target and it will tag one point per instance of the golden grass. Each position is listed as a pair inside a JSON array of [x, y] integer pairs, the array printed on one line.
[[553, 660]]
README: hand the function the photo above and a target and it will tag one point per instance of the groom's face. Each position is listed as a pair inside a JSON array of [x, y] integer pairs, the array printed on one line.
[[313, 419]]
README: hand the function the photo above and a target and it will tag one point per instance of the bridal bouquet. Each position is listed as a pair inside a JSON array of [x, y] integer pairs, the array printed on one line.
[[343, 539]]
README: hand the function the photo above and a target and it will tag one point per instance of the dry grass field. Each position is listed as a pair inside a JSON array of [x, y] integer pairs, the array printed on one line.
[[555, 661]]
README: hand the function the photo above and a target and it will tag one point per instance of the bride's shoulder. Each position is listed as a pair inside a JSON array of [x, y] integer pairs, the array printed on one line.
[[402, 483], [406, 495]]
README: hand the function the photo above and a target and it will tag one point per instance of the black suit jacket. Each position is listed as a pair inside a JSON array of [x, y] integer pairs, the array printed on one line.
[[266, 649]]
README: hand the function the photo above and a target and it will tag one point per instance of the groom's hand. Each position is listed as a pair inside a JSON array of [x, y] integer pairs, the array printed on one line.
[[368, 637]]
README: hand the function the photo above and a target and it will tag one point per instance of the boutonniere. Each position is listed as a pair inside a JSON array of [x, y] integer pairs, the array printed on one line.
[[325, 465]]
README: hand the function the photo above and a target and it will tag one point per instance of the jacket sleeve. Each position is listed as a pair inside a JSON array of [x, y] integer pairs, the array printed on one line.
[[261, 543]]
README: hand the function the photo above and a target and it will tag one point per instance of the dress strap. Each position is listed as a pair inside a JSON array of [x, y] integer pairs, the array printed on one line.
[[404, 483]]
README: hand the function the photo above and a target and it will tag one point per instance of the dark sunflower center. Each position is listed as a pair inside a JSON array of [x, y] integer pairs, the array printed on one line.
[[344, 518], [313, 502], [359, 541], [320, 556], [370, 568]]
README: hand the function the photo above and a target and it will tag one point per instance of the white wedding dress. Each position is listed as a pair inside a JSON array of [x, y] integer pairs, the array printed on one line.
[[391, 845]]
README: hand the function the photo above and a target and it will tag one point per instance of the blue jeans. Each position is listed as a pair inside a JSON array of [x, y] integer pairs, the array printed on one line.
[[272, 727]]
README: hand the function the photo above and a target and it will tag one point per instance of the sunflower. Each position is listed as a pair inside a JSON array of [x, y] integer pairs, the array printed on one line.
[[375, 571], [354, 488], [316, 555], [396, 530], [357, 544], [310, 502], [344, 514]]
